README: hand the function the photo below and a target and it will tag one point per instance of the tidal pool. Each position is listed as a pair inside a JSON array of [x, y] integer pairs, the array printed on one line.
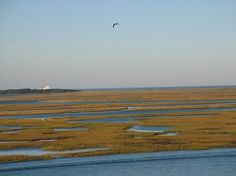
[[168, 134], [152, 129]]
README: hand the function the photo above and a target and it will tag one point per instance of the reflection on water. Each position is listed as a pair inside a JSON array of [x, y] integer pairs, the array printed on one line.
[[152, 129], [168, 134], [39, 152]]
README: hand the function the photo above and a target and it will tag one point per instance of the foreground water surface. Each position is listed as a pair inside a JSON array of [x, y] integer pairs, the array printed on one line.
[[215, 162]]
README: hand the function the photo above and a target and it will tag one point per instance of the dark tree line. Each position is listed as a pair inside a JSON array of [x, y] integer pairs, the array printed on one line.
[[40, 91]]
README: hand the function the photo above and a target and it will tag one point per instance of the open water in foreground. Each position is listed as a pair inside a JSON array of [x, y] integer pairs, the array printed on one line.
[[215, 162]]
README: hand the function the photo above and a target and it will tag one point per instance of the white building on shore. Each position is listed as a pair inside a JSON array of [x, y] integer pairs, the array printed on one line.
[[45, 88]]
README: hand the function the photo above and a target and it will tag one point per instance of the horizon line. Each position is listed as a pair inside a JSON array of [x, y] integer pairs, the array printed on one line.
[[138, 87]]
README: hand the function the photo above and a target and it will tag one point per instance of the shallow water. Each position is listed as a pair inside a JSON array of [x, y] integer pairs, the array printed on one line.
[[169, 134], [23, 151], [152, 129], [107, 120], [40, 152], [10, 127], [9, 102], [120, 112], [129, 119], [215, 162], [11, 131]]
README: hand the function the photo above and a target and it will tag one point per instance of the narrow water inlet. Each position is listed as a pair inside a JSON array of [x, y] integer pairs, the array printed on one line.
[[107, 120], [10, 129]]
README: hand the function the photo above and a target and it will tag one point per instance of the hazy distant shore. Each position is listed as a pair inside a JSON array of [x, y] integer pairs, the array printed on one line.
[[39, 91]]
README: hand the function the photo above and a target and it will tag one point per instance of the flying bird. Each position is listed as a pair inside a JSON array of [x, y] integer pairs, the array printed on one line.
[[115, 24]]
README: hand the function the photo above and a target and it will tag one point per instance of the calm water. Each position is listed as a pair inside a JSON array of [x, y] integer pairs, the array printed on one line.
[[40, 152], [10, 127], [12, 102], [148, 129], [169, 134], [120, 112], [217, 162], [107, 120]]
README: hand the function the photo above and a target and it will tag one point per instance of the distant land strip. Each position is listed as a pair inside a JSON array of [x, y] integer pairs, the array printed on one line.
[[39, 91]]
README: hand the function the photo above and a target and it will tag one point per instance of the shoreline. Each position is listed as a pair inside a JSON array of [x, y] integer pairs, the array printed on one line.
[[118, 158]]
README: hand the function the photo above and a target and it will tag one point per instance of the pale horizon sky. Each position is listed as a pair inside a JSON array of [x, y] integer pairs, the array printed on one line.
[[71, 44]]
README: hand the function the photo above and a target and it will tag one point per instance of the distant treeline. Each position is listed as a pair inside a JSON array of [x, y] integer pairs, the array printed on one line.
[[28, 91]]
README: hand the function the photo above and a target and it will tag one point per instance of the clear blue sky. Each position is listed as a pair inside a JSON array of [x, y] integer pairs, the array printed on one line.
[[71, 43]]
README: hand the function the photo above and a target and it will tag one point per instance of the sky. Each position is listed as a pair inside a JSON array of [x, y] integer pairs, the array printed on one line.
[[71, 43]]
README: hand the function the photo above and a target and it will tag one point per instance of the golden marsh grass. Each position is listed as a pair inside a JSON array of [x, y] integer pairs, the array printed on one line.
[[195, 130]]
